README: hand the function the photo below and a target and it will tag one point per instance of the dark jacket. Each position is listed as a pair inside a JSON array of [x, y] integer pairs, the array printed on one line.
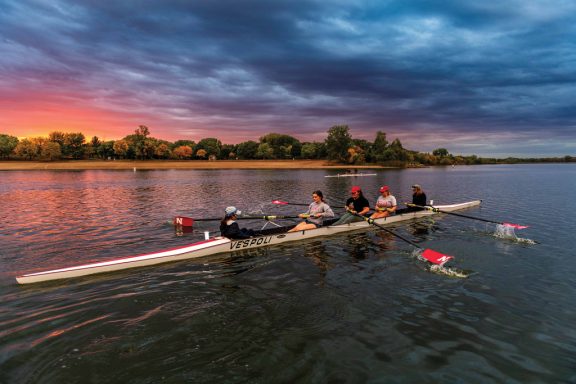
[[233, 231]]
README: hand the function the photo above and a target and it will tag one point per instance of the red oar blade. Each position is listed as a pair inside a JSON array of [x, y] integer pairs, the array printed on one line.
[[517, 226], [183, 221], [279, 202], [436, 257]]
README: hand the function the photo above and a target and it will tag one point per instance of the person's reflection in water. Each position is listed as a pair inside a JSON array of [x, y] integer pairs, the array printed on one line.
[[420, 229], [360, 243], [386, 241], [316, 252]]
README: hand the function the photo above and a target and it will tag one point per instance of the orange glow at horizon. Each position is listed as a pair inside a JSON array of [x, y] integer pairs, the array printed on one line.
[[37, 118]]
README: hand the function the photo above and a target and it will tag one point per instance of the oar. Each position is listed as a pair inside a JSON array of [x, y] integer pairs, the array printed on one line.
[[189, 222], [431, 208], [279, 202], [429, 254]]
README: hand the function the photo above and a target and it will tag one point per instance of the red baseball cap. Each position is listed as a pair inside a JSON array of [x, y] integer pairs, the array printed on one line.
[[355, 189], [384, 188]]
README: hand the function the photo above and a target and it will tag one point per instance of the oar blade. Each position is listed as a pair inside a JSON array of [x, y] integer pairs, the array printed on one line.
[[516, 226], [279, 202], [436, 257], [183, 221]]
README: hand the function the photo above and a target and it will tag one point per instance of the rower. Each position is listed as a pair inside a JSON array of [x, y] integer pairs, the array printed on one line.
[[385, 205], [355, 205], [315, 214], [418, 198], [229, 227]]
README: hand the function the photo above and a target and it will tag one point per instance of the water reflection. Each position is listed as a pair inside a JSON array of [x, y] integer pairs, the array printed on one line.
[[350, 308]]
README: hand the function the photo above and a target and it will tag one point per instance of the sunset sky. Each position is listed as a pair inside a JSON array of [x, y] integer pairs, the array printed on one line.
[[491, 78]]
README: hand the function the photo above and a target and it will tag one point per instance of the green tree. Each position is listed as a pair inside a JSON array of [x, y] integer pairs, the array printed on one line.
[[105, 150], [379, 147], [74, 144], [211, 145], [7, 145], [247, 150], [309, 151], [139, 143], [440, 152], [179, 143], [338, 142], [228, 151], [265, 151], [283, 146], [60, 138]]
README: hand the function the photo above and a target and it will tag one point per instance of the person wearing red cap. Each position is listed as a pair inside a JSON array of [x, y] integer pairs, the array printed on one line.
[[385, 205], [355, 205]]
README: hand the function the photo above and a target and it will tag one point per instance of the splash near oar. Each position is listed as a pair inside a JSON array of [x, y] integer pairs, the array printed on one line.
[[189, 222], [431, 208]]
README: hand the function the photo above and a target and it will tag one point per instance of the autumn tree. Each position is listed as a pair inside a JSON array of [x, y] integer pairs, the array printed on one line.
[[50, 151], [121, 148], [182, 152]]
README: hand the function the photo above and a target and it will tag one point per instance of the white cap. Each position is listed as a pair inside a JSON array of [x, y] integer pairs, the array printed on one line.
[[232, 211]]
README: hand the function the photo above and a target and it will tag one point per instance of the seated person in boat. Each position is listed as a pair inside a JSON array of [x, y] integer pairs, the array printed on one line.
[[385, 205], [315, 214], [229, 227], [418, 197], [355, 205]]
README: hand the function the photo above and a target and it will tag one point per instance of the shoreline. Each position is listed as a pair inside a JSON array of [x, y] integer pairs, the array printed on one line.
[[175, 164]]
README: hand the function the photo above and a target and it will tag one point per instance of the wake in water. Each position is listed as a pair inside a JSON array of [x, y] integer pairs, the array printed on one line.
[[507, 233], [448, 271], [440, 269]]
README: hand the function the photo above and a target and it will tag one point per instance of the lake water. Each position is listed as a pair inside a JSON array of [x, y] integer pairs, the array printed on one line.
[[354, 308]]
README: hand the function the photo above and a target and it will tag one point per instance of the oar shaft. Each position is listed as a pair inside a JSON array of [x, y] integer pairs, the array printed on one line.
[[371, 221], [454, 213], [263, 217]]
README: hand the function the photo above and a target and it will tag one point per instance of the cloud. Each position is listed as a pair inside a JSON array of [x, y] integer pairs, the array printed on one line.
[[476, 78]]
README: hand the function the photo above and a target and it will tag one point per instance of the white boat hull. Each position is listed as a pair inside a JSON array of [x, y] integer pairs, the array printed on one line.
[[220, 245]]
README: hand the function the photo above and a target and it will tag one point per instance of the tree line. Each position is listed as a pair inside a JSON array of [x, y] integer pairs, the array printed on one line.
[[339, 146]]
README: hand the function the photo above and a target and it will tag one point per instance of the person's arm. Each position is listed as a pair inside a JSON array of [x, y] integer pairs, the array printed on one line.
[[392, 209], [327, 212], [365, 209], [233, 231], [307, 213]]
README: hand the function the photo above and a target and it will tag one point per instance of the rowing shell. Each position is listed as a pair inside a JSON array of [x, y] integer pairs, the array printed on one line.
[[351, 175], [219, 244]]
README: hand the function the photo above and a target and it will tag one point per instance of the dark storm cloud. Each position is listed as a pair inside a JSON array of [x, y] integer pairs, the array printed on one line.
[[487, 76]]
